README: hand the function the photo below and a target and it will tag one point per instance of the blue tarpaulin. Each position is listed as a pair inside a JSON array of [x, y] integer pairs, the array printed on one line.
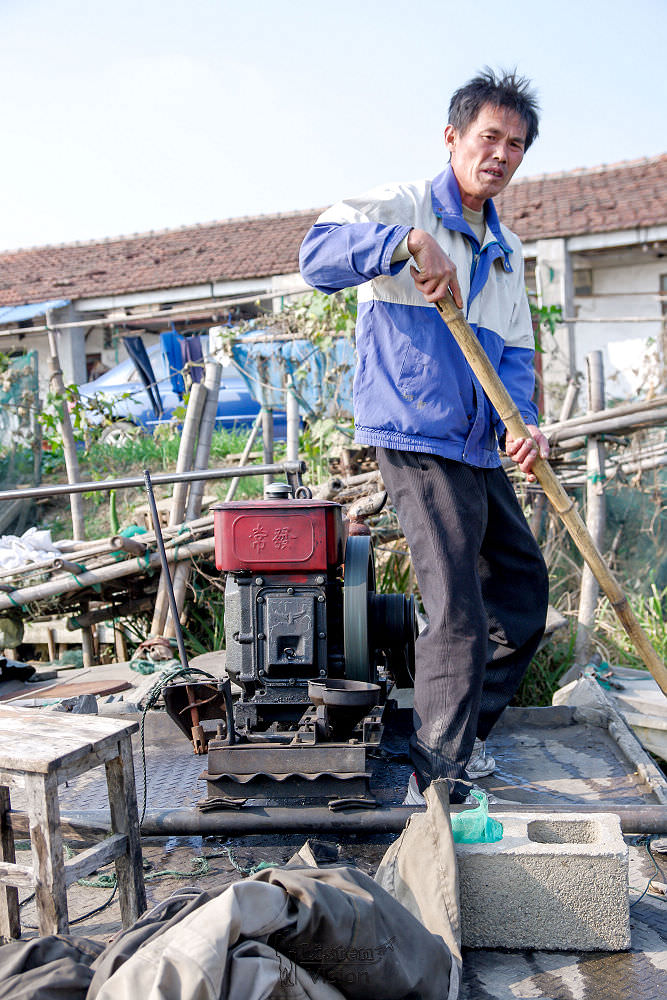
[[17, 314], [320, 377]]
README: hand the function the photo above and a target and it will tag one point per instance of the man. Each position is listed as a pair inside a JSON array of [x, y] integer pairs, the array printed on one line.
[[481, 575]]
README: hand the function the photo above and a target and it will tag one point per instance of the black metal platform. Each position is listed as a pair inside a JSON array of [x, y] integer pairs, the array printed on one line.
[[543, 757]]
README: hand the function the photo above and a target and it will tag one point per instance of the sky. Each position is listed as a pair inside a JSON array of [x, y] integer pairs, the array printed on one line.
[[124, 116]]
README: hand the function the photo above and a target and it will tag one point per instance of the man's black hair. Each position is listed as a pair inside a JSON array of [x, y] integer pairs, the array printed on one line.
[[507, 90]]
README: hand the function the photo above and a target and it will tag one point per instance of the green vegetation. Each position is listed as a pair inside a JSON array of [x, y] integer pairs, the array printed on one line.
[[635, 544]]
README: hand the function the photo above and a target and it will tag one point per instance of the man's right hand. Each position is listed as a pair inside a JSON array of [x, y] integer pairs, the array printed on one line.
[[437, 273]]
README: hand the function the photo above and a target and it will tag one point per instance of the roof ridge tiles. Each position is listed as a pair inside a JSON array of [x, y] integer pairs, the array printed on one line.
[[518, 182], [188, 227], [601, 168]]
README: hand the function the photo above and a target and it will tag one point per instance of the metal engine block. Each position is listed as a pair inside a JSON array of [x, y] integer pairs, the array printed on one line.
[[300, 604], [310, 644]]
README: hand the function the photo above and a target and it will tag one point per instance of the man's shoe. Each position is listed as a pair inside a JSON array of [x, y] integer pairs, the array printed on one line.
[[470, 799], [481, 764], [492, 800], [413, 796]]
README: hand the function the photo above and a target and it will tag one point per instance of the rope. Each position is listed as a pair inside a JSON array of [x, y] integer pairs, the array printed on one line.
[[647, 842], [250, 870], [200, 867]]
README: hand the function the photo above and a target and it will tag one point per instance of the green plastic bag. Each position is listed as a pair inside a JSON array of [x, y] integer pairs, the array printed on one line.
[[475, 826]]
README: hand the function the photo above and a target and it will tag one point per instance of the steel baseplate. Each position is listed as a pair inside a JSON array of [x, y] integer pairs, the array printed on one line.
[[299, 764]]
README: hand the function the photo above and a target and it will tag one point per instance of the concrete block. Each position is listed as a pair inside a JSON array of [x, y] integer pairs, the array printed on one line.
[[557, 882]]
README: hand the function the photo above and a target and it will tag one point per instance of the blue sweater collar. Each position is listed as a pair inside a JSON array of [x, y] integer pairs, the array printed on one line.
[[446, 203]]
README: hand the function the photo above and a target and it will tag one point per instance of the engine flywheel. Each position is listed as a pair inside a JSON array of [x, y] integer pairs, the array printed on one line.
[[359, 584]]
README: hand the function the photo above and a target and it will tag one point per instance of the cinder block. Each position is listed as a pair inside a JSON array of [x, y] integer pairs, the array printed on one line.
[[557, 882]]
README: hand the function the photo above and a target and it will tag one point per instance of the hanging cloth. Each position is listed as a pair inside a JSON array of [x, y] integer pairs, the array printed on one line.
[[171, 343], [195, 356], [137, 351]]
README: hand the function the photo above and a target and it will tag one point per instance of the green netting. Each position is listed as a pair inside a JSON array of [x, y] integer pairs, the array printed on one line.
[[20, 441]]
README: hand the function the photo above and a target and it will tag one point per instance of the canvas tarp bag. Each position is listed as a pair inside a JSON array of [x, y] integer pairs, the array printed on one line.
[[419, 870]]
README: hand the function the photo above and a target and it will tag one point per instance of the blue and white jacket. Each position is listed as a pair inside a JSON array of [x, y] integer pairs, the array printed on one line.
[[413, 389]]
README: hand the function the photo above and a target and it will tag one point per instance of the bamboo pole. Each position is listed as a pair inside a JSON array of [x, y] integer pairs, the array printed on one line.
[[183, 464], [213, 374], [573, 424], [595, 510], [120, 542], [231, 492], [114, 571], [564, 506], [629, 423]]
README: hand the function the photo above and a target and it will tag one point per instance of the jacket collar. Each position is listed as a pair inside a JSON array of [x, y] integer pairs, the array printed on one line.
[[446, 203]]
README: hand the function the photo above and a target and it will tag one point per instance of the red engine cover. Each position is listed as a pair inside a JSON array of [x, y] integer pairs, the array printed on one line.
[[306, 536]]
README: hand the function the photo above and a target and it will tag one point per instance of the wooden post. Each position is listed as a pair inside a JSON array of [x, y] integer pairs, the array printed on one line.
[[51, 644], [120, 643], [69, 445], [10, 922], [267, 441], [212, 376], [47, 852], [570, 399], [125, 819], [292, 408], [87, 639], [595, 509]]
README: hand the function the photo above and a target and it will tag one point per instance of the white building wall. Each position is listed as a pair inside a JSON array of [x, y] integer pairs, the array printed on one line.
[[624, 288]]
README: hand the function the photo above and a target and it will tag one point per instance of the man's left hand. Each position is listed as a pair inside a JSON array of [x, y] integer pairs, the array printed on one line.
[[524, 451]]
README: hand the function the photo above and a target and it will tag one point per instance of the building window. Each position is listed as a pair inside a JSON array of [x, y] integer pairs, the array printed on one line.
[[583, 281]]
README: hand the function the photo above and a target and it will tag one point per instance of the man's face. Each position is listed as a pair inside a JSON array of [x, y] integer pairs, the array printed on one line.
[[486, 155]]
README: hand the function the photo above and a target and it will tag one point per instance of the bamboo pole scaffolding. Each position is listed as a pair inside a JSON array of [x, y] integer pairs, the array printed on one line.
[[630, 422], [564, 506], [559, 428], [114, 571]]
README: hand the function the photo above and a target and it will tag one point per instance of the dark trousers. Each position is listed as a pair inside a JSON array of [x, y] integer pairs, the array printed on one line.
[[484, 586]]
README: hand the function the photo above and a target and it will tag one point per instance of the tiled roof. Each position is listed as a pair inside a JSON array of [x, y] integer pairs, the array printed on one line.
[[598, 200], [602, 199], [219, 251]]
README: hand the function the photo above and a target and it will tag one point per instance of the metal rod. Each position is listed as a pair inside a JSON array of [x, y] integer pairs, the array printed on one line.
[[63, 489], [166, 576], [634, 819]]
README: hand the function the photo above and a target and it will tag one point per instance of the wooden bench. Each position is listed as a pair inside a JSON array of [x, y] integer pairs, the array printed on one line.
[[38, 752]]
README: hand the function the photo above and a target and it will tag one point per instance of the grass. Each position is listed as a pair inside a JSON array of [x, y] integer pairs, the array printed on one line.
[[157, 452], [651, 612], [638, 526], [546, 669]]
